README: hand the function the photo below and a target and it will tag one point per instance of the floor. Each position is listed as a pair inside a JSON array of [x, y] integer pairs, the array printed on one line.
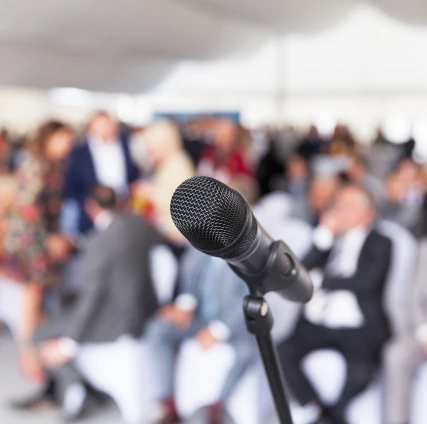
[[14, 386]]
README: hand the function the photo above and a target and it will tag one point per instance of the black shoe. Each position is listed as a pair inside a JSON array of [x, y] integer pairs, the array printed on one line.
[[337, 416], [45, 399], [325, 418]]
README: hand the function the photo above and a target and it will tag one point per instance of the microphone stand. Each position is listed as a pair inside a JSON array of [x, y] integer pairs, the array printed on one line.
[[277, 275], [259, 322]]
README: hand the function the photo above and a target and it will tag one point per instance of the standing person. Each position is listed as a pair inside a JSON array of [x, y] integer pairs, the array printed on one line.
[[31, 219], [312, 144], [342, 142], [117, 299], [346, 312], [104, 158], [172, 165], [225, 159]]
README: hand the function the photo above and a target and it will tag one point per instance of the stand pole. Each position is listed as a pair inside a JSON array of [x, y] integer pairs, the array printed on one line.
[[259, 322]]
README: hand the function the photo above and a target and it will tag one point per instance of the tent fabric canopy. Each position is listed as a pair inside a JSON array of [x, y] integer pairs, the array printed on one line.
[[131, 46]]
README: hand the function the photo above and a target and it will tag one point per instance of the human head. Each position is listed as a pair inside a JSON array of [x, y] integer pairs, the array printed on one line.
[[357, 169], [322, 192], [409, 172], [353, 207], [313, 132], [395, 188], [162, 139], [103, 127], [101, 199], [52, 141], [297, 168], [225, 134], [246, 186]]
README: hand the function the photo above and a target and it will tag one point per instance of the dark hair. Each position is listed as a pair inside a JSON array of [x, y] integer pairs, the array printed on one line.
[[361, 160], [42, 135], [103, 196]]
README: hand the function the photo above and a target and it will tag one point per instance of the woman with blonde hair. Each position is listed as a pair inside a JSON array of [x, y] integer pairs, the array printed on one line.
[[30, 219], [171, 166]]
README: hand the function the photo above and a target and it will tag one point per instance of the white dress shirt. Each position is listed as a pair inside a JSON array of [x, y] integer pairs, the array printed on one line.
[[103, 220], [338, 308], [110, 164]]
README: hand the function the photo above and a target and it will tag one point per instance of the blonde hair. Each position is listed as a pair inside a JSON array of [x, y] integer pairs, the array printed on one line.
[[163, 134]]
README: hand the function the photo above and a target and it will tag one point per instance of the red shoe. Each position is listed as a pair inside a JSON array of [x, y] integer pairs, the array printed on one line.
[[216, 413], [169, 413]]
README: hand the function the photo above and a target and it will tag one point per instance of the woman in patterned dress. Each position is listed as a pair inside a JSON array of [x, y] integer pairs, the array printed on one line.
[[30, 223]]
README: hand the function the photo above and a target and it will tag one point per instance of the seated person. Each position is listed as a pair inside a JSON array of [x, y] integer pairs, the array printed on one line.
[[405, 354], [346, 313], [117, 299], [405, 196], [209, 310], [321, 192]]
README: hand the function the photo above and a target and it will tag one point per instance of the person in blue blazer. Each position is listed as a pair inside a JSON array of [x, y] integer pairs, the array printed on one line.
[[104, 158]]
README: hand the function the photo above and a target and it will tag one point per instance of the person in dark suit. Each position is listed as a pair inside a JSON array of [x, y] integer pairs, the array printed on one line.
[[207, 310], [346, 314], [117, 298], [104, 158]]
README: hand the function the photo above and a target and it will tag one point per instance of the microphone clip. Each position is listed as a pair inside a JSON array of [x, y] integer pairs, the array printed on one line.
[[280, 274]]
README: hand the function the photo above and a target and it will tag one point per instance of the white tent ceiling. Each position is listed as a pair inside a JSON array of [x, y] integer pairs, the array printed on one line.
[[131, 45]]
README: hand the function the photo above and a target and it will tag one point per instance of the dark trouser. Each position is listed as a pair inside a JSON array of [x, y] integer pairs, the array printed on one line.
[[67, 374], [360, 356]]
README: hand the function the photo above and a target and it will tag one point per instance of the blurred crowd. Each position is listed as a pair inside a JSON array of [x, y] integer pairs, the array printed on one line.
[[87, 243]]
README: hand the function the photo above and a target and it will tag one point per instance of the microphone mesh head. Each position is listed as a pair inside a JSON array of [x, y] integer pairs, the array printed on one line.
[[211, 216]]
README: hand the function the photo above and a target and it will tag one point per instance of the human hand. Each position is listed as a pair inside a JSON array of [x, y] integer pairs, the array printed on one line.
[[59, 247], [30, 365], [329, 220], [206, 339], [179, 317], [52, 355]]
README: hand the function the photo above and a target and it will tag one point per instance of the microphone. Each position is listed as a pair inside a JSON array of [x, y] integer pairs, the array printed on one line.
[[218, 221]]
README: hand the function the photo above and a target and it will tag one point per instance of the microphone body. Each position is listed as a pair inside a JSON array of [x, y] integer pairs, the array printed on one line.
[[254, 259], [219, 222]]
